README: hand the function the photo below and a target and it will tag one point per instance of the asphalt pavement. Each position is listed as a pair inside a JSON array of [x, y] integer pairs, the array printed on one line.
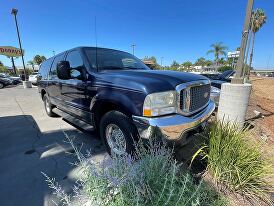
[[31, 143]]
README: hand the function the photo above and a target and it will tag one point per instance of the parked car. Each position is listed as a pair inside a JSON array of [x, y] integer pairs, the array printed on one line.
[[218, 79], [15, 80], [4, 81], [117, 94], [33, 78]]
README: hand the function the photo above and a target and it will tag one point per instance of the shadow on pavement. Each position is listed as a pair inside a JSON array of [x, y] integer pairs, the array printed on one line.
[[25, 152]]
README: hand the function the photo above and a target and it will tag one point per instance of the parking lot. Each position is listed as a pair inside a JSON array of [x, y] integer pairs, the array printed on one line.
[[31, 143]]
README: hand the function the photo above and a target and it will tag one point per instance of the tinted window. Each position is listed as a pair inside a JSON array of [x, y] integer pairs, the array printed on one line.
[[108, 59], [53, 70], [44, 68], [75, 60]]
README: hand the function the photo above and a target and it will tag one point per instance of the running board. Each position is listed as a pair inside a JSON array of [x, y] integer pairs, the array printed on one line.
[[73, 120]]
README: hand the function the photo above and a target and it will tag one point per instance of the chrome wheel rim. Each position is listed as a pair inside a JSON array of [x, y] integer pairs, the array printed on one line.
[[47, 106], [115, 139]]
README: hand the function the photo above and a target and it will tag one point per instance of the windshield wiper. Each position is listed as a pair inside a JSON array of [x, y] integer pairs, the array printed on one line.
[[110, 68], [133, 68]]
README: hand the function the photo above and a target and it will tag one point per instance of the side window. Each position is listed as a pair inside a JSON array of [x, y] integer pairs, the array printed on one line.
[[75, 60], [53, 70], [44, 69], [76, 63]]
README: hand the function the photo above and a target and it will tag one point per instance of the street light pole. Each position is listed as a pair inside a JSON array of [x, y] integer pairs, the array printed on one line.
[[162, 61], [133, 48], [14, 12], [239, 72]]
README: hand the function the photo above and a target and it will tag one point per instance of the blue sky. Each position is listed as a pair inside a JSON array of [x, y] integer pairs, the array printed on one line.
[[178, 30]]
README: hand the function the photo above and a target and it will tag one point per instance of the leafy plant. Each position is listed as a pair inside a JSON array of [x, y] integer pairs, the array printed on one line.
[[150, 177], [218, 49], [235, 161], [224, 68]]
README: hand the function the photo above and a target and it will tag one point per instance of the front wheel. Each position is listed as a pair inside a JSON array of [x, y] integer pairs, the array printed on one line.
[[2, 85], [48, 107], [118, 133]]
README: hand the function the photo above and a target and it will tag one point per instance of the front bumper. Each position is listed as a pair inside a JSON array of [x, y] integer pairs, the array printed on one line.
[[174, 127]]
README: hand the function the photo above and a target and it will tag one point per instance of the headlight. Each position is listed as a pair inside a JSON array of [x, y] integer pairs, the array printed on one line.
[[215, 90], [158, 104]]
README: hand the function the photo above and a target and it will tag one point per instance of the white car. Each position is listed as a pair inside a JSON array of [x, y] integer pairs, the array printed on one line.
[[33, 78]]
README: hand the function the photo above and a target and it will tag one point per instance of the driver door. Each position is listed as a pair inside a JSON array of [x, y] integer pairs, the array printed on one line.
[[73, 91]]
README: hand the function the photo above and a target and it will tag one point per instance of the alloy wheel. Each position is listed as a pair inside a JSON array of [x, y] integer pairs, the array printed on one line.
[[115, 139]]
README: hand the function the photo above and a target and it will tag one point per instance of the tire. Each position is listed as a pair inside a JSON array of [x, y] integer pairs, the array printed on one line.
[[48, 106], [2, 85], [118, 120]]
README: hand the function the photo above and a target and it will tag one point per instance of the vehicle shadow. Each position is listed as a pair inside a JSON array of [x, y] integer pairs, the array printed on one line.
[[25, 152]]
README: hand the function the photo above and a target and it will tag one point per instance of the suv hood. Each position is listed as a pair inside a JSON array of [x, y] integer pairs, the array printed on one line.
[[147, 81]]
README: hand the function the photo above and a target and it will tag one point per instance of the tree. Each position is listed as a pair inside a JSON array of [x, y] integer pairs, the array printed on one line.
[[39, 59], [187, 64], [219, 50], [208, 63], [258, 19], [224, 68], [152, 58], [174, 64], [200, 62], [222, 61], [1, 64], [32, 64]]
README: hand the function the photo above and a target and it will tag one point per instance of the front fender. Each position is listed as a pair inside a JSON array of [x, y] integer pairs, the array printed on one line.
[[129, 101]]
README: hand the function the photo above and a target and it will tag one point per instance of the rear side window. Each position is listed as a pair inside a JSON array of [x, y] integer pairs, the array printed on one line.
[[44, 69], [53, 70]]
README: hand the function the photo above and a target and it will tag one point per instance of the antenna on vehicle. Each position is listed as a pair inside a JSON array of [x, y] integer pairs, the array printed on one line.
[[95, 31]]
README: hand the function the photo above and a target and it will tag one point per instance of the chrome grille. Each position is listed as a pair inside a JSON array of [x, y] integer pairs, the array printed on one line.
[[194, 97]]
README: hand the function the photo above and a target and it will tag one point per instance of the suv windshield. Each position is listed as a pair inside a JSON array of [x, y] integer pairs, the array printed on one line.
[[108, 59]]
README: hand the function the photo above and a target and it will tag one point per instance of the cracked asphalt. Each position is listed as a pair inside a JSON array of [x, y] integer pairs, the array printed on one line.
[[31, 143]]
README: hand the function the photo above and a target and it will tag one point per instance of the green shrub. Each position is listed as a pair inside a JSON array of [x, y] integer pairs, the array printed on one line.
[[224, 68], [235, 161], [151, 177]]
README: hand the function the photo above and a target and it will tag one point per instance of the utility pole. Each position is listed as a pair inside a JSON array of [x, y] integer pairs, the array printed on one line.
[[133, 48], [14, 12], [234, 97], [240, 63], [13, 65], [162, 61]]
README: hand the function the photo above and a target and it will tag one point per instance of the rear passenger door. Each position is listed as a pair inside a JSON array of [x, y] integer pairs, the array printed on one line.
[[54, 84], [74, 90]]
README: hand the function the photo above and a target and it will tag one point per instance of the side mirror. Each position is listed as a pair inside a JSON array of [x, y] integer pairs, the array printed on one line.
[[63, 70]]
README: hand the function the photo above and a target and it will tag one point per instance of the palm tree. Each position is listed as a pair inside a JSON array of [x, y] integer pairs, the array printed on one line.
[[200, 62], [218, 49], [39, 59], [187, 65], [258, 19], [32, 64]]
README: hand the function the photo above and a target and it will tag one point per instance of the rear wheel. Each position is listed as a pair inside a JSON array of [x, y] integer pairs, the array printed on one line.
[[2, 85], [118, 133], [48, 107]]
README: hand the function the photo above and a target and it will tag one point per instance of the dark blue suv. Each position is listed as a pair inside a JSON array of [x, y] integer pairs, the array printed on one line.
[[117, 94]]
